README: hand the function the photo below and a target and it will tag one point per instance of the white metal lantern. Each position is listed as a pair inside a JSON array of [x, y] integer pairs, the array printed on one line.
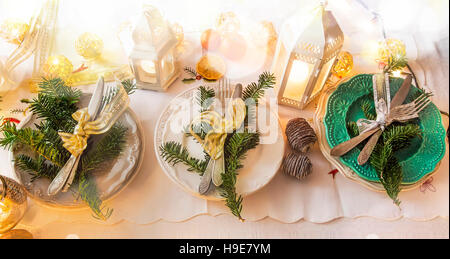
[[306, 51], [151, 51]]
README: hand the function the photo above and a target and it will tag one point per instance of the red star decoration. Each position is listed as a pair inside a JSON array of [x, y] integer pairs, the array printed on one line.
[[333, 172]]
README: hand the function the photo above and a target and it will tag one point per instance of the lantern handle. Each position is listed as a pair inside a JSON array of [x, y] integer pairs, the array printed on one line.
[[5, 187]]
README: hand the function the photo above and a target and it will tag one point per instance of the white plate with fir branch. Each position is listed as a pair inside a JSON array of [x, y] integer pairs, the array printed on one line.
[[252, 157], [108, 164]]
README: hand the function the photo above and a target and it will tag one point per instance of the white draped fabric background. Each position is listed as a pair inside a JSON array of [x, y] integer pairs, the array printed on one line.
[[151, 196]]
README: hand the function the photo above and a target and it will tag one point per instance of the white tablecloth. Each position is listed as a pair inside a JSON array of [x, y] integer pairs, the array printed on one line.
[[152, 197]]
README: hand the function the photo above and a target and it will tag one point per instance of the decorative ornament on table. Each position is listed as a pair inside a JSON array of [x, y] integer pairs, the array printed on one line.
[[228, 22], [89, 46], [210, 39], [234, 46], [343, 65], [150, 45], [297, 164], [13, 31], [300, 135], [303, 62], [58, 67], [13, 204], [301, 138], [40, 152]]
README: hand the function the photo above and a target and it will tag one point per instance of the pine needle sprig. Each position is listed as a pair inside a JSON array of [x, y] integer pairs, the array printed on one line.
[[57, 88], [37, 168], [395, 62], [109, 147], [88, 191], [174, 153], [256, 90], [205, 97], [236, 147], [190, 71], [34, 139]]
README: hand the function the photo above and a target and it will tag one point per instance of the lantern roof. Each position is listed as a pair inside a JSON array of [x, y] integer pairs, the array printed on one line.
[[151, 34], [312, 34]]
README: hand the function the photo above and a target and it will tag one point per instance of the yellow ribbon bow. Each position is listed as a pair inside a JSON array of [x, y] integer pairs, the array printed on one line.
[[76, 143], [215, 138]]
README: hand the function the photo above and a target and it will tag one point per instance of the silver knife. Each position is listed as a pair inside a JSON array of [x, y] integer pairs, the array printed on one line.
[[398, 99], [66, 175], [217, 172]]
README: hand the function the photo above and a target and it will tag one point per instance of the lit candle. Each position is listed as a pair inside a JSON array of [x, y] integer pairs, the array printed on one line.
[[298, 79]]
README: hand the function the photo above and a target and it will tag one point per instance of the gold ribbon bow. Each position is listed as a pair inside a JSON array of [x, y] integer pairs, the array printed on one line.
[[76, 143], [215, 138]]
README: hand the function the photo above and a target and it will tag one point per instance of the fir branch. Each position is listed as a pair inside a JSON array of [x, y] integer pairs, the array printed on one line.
[[56, 111], [108, 148], [205, 97], [37, 168], [256, 90], [57, 88], [88, 191], [174, 153], [386, 165], [236, 147], [34, 139], [395, 62], [190, 71], [129, 86]]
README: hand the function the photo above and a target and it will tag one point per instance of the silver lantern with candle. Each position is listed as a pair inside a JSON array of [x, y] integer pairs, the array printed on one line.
[[150, 44], [308, 45]]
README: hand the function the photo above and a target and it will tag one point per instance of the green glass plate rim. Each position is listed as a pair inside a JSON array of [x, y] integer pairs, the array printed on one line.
[[336, 131]]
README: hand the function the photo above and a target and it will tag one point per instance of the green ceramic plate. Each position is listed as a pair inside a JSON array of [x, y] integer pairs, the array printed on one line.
[[417, 160]]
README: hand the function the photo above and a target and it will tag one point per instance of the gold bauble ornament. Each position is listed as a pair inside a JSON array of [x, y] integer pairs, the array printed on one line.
[[343, 65], [389, 48], [13, 31], [228, 22], [89, 45], [13, 203], [58, 66]]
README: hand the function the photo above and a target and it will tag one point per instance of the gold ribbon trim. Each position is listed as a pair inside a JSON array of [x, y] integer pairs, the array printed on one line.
[[76, 143], [215, 138]]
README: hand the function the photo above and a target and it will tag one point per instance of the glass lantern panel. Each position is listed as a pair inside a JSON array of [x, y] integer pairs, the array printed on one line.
[[145, 71], [167, 67], [323, 76], [298, 80], [280, 62]]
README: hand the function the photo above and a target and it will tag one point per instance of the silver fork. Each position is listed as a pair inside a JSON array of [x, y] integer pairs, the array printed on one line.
[[225, 94], [115, 105], [412, 109], [215, 168]]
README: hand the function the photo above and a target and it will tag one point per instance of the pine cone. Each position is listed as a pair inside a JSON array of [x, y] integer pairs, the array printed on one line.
[[297, 165], [300, 135]]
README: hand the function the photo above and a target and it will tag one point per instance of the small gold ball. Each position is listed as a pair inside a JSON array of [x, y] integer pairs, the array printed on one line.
[[13, 31], [89, 45], [344, 64], [58, 66], [389, 48]]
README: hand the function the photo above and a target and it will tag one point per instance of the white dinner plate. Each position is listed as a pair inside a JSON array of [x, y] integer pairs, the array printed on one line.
[[260, 165]]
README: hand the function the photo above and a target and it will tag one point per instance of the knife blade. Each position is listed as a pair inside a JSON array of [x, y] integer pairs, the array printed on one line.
[[398, 99], [66, 175]]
